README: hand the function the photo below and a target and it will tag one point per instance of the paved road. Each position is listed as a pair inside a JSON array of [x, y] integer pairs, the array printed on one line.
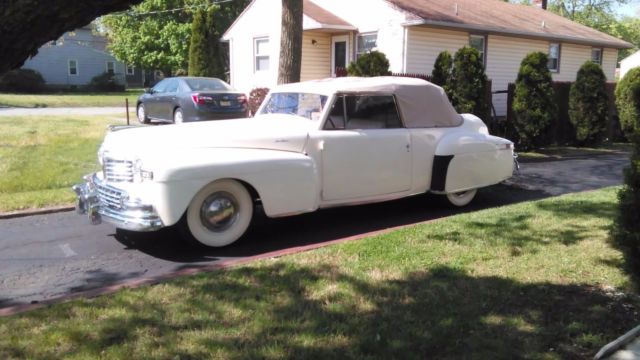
[[44, 257], [10, 111]]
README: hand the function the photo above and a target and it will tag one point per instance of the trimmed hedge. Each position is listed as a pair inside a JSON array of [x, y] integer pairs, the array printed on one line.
[[468, 83], [256, 97], [628, 101], [589, 104], [371, 64], [22, 81], [533, 103]]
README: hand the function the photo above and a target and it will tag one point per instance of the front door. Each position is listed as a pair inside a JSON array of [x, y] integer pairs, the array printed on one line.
[[339, 53]]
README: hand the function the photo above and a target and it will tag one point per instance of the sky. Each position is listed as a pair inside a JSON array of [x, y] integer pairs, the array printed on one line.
[[630, 9]]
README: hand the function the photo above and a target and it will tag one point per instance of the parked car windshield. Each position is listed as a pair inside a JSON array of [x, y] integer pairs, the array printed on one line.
[[207, 85], [301, 104]]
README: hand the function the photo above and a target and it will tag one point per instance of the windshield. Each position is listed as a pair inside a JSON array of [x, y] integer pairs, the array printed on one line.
[[301, 104], [207, 85]]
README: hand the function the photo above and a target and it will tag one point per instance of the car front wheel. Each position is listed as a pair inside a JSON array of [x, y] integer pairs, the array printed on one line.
[[462, 198], [141, 113], [178, 116], [219, 214]]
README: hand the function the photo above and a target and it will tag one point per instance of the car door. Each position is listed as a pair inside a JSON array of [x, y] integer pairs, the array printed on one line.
[[152, 102], [167, 99], [366, 151]]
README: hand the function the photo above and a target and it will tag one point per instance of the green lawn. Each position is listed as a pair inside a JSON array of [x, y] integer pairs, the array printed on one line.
[[536, 280], [70, 99], [41, 157]]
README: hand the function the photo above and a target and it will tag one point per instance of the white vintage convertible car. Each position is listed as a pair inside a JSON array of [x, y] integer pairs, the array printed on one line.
[[312, 145]]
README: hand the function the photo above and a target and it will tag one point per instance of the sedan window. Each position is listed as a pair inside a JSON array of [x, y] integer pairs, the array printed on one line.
[[172, 86], [161, 86], [207, 85]]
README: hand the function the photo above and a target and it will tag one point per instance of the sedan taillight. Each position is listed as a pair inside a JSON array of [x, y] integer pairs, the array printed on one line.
[[199, 99], [242, 99]]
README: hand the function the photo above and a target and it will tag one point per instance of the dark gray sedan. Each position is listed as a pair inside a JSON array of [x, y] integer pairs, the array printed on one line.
[[183, 99]]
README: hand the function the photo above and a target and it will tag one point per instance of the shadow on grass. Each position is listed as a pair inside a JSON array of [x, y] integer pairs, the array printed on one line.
[[319, 312], [267, 235]]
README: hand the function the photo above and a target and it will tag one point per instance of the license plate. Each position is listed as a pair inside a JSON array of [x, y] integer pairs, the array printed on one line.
[[225, 103]]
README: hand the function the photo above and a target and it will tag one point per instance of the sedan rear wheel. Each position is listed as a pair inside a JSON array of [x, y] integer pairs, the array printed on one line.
[[141, 112], [178, 116], [219, 214], [461, 198]]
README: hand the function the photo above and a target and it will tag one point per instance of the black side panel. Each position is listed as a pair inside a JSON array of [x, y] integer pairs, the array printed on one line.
[[439, 173]]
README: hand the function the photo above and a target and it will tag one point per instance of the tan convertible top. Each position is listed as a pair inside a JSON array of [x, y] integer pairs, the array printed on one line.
[[422, 103]]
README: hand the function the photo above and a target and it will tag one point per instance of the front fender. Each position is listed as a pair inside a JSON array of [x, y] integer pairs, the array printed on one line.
[[286, 182]]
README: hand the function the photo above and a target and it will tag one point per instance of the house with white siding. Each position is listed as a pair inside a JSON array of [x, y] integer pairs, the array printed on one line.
[[75, 58], [628, 63], [411, 33]]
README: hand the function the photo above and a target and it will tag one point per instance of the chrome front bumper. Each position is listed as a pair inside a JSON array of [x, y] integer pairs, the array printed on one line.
[[100, 201]]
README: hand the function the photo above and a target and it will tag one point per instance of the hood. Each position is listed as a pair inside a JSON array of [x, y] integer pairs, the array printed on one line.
[[274, 132]]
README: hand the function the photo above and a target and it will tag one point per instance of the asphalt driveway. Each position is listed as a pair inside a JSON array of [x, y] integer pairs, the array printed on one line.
[[49, 256]]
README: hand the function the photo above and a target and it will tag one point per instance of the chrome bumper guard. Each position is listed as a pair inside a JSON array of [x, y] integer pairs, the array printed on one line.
[[100, 201]]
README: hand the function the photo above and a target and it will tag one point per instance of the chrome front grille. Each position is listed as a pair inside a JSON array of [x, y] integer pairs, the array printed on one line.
[[118, 170], [110, 197]]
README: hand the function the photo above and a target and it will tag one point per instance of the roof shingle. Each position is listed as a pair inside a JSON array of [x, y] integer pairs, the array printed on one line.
[[495, 16]]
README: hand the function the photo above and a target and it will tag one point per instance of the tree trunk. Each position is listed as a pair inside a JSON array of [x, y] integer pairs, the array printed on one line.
[[291, 42], [25, 25]]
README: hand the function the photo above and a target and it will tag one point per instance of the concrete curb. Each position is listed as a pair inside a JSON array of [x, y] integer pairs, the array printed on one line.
[[136, 283], [33, 212], [617, 344]]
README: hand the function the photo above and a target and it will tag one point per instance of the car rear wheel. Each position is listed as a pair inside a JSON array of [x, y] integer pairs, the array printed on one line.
[[462, 198], [219, 214], [141, 112], [178, 116]]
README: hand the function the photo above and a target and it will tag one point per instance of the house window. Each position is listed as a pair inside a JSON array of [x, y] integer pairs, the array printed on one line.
[[366, 43], [73, 67], [479, 43], [554, 57], [111, 67], [131, 70], [596, 55], [261, 54]]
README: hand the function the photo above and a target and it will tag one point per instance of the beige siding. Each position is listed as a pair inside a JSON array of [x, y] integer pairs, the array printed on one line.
[[316, 59], [571, 59], [424, 44], [504, 55], [609, 63]]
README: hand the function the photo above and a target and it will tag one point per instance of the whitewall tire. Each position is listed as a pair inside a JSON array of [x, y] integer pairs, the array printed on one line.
[[219, 213], [462, 198]]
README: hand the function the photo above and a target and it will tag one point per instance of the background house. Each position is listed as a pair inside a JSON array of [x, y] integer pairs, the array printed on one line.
[[76, 58], [412, 33], [629, 63]]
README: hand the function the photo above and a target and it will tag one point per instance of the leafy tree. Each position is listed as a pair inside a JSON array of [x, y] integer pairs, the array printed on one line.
[[534, 105], [373, 63], [441, 74], [628, 221], [156, 33], [469, 83], [628, 102], [589, 104], [204, 57], [290, 42]]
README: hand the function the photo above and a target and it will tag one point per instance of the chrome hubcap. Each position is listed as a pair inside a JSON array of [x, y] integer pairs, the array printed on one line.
[[141, 113], [178, 117], [219, 211]]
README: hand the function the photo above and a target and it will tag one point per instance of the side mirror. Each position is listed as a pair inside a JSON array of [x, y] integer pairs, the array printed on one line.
[[148, 90]]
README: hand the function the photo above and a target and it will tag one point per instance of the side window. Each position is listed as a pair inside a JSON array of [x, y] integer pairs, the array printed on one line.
[[172, 86], [335, 120], [371, 112], [161, 87]]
